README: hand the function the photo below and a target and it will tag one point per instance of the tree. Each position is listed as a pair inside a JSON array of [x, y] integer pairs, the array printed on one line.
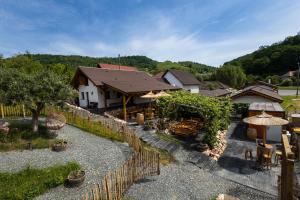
[[33, 90], [231, 75]]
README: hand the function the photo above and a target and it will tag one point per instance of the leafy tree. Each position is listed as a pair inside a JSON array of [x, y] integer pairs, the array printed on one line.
[[23, 63], [34, 90], [231, 75], [287, 82]]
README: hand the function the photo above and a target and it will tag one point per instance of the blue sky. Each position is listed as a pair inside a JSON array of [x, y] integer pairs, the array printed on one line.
[[206, 31]]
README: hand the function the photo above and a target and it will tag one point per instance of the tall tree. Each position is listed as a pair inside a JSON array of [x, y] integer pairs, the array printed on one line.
[[33, 90], [231, 75]]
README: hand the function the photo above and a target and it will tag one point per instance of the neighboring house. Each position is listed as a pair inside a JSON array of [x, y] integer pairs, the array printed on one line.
[[180, 79], [116, 67], [289, 74], [256, 93], [215, 93], [102, 88]]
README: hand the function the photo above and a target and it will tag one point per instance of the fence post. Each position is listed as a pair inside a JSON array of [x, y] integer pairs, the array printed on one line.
[[2, 111], [23, 108]]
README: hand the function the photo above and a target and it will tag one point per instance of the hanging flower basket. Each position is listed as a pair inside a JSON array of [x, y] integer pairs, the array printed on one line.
[[76, 178]]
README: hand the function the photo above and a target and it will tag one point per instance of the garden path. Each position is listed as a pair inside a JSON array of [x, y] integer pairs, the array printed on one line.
[[95, 154]]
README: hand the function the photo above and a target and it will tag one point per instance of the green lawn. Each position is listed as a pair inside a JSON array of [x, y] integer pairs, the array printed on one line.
[[20, 135], [287, 101], [287, 87], [30, 183]]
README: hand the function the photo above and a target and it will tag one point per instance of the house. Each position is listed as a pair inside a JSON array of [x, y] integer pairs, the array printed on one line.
[[103, 88], [256, 93], [215, 93], [116, 67], [179, 79]]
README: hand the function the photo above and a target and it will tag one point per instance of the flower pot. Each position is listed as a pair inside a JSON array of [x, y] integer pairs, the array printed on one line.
[[76, 178], [203, 147], [60, 146]]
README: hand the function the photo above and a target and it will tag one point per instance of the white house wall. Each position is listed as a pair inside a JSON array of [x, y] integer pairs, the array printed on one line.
[[92, 91], [175, 82], [192, 88], [250, 99]]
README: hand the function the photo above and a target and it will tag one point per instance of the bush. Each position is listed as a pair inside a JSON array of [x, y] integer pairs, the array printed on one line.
[[215, 112], [30, 183], [287, 82]]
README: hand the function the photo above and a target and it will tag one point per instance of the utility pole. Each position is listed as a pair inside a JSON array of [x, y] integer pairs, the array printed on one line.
[[298, 79], [119, 62]]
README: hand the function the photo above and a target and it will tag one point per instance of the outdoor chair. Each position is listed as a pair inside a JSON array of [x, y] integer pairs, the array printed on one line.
[[267, 158], [278, 154], [248, 154]]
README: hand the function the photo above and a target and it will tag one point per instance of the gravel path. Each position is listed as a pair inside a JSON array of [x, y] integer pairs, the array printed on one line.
[[95, 154], [187, 181]]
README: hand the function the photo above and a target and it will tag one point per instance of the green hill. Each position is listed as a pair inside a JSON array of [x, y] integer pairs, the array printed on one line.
[[143, 63], [275, 59]]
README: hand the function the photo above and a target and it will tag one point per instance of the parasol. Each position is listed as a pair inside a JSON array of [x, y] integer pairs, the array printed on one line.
[[162, 94], [265, 119]]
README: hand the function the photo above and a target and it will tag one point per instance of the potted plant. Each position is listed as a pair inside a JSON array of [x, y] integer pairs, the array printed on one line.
[[76, 178], [60, 146]]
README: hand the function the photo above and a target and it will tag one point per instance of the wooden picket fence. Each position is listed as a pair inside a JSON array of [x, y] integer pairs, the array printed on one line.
[[141, 164], [14, 111], [114, 184]]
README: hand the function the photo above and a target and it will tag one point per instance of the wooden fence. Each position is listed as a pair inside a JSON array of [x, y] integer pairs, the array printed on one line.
[[14, 111], [114, 184], [286, 182], [141, 164]]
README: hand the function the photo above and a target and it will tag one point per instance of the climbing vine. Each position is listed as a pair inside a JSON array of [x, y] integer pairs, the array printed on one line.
[[215, 112]]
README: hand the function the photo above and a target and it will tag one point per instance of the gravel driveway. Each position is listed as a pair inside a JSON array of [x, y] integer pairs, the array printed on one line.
[[187, 181], [95, 154]]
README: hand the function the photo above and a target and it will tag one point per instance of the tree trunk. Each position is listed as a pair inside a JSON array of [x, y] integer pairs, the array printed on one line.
[[35, 117], [35, 121]]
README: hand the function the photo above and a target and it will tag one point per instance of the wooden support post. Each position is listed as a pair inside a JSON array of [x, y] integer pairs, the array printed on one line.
[[23, 108], [2, 111], [124, 108]]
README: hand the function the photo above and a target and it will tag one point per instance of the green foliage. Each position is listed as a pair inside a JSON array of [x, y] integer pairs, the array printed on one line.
[[34, 90], [271, 60], [231, 75], [215, 112], [287, 82], [30, 183], [275, 79]]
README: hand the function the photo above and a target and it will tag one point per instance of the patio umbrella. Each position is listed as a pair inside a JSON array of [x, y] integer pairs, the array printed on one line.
[[149, 95], [265, 119], [162, 94]]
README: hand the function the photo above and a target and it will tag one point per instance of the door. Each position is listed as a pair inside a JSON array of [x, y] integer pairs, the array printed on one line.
[[87, 99]]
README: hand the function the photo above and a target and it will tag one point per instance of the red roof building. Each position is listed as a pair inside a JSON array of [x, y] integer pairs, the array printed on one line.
[[116, 67]]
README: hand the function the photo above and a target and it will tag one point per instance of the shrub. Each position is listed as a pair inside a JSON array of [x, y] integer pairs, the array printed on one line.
[[215, 112], [287, 82], [30, 183]]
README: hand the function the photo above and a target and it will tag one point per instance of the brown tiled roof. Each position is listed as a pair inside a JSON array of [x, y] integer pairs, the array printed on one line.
[[116, 67], [214, 93], [124, 81], [159, 77], [185, 78], [259, 90]]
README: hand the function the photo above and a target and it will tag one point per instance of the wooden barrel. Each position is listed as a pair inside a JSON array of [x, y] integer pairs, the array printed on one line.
[[140, 119], [251, 133]]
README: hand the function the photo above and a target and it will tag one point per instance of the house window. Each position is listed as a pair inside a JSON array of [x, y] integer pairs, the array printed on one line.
[[82, 95]]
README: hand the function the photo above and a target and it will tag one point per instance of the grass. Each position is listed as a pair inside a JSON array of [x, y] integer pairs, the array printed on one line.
[[169, 138], [20, 135], [165, 157], [95, 128], [287, 87], [30, 183]]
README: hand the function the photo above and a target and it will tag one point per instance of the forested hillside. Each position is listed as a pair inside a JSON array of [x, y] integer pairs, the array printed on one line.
[[275, 59]]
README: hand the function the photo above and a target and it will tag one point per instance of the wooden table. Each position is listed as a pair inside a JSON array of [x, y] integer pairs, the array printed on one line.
[[260, 150]]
